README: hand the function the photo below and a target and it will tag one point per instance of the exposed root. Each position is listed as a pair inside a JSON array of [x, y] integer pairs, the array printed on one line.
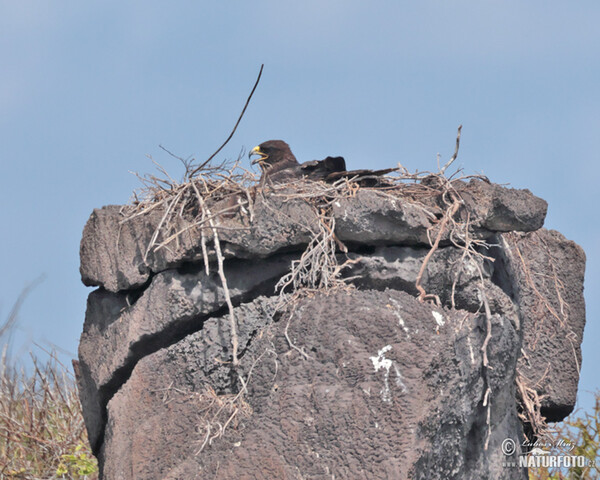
[[448, 214], [318, 267], [531, 406], [486, 364], [532, 284], [221, 411], [291, 344], [544, 288]]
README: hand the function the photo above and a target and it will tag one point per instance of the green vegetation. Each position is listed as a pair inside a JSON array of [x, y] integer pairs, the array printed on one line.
[[582, 432], [42, 434]]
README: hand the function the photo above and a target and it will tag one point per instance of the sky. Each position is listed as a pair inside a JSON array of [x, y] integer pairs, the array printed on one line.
[[89, 90]]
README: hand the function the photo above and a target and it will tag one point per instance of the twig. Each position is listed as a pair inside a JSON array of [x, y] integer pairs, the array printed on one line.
[[219, 254], [186, 162], [203, 245], [532, 404], [455, 152], [466, 254], [486, 364], [442, 228], [233, 405], [162, 220], [201, 166], [488, 319], [308, 357], [487, 402]]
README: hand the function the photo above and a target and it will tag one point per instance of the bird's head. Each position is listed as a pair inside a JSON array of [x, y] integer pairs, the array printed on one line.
[[271, 152]]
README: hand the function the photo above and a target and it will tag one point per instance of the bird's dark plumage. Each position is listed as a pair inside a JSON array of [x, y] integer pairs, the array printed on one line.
[[279, 165]]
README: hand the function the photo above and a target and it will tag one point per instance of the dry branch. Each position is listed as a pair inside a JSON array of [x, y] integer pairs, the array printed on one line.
[[206, 213], [202, 165], [448, 214], [443, 169]]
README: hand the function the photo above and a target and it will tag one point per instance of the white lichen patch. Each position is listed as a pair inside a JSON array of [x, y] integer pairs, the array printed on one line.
[[439, 318], [380, 362]]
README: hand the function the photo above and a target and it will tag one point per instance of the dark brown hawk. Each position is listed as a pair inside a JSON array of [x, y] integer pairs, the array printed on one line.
[[279, 165]]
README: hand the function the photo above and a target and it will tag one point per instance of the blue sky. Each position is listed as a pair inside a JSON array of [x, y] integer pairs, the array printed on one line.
[[88, 89]]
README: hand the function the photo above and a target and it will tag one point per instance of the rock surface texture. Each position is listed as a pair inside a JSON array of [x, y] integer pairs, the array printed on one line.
[[362, 380]]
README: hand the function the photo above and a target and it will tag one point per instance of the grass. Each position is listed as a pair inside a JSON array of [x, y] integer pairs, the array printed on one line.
[[42, 433]]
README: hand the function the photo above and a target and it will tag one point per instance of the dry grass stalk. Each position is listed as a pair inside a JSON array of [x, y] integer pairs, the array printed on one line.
[[42, 433]]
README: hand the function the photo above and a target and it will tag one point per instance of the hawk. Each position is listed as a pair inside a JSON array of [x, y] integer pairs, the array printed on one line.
[[279, 165]]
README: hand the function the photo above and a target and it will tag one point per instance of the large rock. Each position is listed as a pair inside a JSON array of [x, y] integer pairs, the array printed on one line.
[[455, 278], [358, 382], [117, 334], [546, 272], [374, 397], [115, 254], [114, 247], [501, 209]]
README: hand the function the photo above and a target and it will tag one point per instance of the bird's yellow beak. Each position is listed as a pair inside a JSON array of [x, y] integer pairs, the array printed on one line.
[[257, 151]]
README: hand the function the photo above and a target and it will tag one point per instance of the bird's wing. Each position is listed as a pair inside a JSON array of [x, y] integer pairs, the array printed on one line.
[[321, 168], [282, 175], [365, 177]]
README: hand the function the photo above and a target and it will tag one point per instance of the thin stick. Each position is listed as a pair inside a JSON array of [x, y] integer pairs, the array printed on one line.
[[455, 152], [203, 245], [486, 364], [442, 228], [219, 254], [197, 169], [291, 344]]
